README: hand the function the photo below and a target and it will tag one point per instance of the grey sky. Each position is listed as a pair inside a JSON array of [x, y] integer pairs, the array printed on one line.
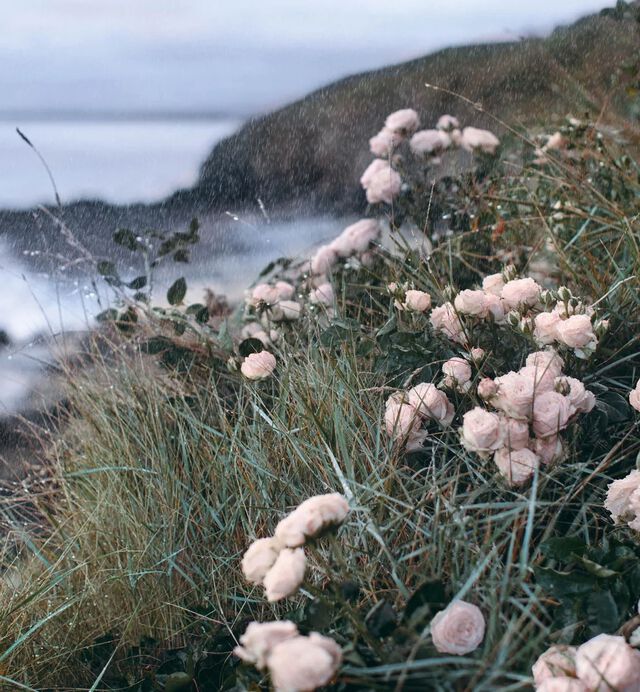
[[232, 56]]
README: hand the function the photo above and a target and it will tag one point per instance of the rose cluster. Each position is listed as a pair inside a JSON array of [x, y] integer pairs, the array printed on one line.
[[275, 300], [405, 413], [295, 663], [354, 240], [634, 396], [382, 182], [278, 562], [605, 663], [258, 366], [550, 317], [531, 407]]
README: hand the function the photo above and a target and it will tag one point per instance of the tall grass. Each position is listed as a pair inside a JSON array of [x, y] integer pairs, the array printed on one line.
[[128, 566]]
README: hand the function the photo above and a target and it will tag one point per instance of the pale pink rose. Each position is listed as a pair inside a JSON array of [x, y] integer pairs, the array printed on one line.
[[286, 311], [367, 258], [323, 260], [543, 380], [361, 234], [515, 395], [259, 559], [285, 290], [417, 301], [430, 402], [477, 354], [384, 143], [576, 331], [374, 167], [303, 664], [549, 449], [264, 293], [444, 319], [260, 638], [401, 420], [474, 138], [556, 141], [551, 413], [458, 373], [258, 366], [493, 284], [520, 292], [495, 307], [323, 295], [607, 663], [384, 187], [286, 575], [458, 629], [314, 515], [516, 465], [482, 431], [545, 361], [516, 433], [555, 662], [487, 388], [562, 684], [545, 329], [426, 142], [253, 330], [471, 303], [580, 399], [619, 494], [634, 397], [403, 122], [447, 122]]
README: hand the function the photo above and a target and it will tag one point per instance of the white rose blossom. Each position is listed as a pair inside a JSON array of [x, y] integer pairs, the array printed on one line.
[[286, 574], [457, 374], [259, 559], [551, 413], [258, 366], [517, 466], [607, 663], [311, 517], [634, 396], [556, 661], [471, 302], [260, 638], [302, 664], [520, 292], [416, 301], [431, 403], [403, 122], [482, 432], [619, 494], [458, 629]]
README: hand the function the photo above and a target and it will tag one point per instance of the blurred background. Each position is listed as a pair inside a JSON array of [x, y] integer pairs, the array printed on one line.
[[124, 98]]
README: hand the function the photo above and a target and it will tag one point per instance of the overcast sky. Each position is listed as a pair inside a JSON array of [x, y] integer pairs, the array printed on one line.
[[231, 56]]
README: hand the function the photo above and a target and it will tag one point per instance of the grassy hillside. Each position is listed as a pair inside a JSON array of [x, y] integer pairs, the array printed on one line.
[[313, 151]]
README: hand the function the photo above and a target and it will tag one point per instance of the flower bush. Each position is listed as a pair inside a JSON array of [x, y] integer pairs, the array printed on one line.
[[462, 363]]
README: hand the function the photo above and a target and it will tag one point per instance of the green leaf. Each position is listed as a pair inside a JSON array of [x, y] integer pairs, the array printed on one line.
[[563, 548], [181, 256], [381, 620], [430, 593], [249, 346], [614, 405], [598, 570], [602, 612], [137, 283], [109, 315], [126, 238], [106, 268], [156, 345], [177, 292]]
